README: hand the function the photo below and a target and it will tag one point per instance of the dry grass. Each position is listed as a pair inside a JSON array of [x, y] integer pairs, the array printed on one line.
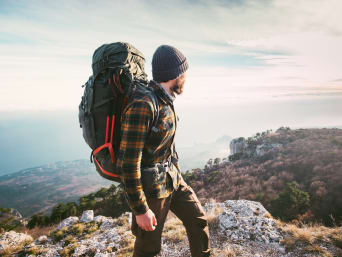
[[57, 235], [34, 250], [11, 250], [317, 249], [127, 238], [91, 227], [311, 235], [78, 228], [69, 250], [212, 217], [174, 230], [38, 231], [336, 237], [69, 240], [227, 252], [127, 245], [288, 242]]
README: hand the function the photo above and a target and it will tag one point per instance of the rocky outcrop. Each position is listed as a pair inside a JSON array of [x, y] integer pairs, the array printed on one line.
[[237, 145], [263, 148], [13, 239], [68, 222], [236, 226], [247, 220], [250, 149]]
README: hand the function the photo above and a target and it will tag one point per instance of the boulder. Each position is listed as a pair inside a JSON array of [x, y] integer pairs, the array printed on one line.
[[68, 222], [244, 219], [87, 216], [13, 239]]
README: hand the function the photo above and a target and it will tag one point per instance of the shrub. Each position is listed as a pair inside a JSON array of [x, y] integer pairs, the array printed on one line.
[[290, 203]]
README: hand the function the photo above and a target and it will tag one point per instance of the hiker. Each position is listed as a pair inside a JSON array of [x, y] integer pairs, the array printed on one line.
[[149, 162]]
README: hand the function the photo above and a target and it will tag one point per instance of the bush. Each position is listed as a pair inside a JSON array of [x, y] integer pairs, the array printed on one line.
[[290, 203]]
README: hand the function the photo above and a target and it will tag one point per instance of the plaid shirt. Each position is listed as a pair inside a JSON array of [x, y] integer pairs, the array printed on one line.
[[141, 148]]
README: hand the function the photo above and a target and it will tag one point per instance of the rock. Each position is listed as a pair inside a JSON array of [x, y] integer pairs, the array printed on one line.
[[68, 222], [107, 224], [16, 213], [13, 239], [101, 255], [42, 239], [87, 216], [237, 145], [263, 148], [100, 219], [99, 242], [244, 219]]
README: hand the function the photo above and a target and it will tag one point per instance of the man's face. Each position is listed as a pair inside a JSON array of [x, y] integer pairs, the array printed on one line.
[[178, 87]]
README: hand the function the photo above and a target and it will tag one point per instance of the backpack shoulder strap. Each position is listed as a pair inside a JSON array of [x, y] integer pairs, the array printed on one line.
[[154, 100]]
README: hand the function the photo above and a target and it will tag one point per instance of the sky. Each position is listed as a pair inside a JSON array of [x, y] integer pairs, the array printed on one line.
[[254, 65], [238, 51]]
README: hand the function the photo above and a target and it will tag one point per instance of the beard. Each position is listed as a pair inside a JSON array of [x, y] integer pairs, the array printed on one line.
[[177, 88]]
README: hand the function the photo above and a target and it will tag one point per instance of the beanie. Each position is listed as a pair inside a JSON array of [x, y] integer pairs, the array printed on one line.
[[168, 63]]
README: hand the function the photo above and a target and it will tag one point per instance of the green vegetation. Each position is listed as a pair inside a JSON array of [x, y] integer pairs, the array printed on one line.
[[8, 221], [310, 157], [235, 157], [106, 201], [291, 202]]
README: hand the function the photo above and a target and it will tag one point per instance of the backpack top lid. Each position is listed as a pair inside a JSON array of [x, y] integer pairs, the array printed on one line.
[[122, 55]]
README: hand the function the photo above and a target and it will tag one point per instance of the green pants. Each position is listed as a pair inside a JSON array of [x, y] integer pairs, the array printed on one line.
[[184, 204]]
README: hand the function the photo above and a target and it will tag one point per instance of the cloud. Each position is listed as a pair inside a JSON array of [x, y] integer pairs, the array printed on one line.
[[49, 44]]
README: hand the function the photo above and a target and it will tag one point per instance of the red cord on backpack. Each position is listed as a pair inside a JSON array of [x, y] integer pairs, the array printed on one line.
[[108, 143]]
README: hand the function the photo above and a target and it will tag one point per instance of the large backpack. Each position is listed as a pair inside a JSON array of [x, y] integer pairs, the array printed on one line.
[[118, 77]]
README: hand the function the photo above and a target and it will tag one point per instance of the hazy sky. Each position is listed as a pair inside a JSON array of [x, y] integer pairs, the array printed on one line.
[[238, 50], [254, 65]]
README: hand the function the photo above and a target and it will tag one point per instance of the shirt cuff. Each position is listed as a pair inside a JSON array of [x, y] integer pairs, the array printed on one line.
[[140, 209], [137, 208]]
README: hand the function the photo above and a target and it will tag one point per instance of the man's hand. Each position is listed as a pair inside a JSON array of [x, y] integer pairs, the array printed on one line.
[[147, 221]]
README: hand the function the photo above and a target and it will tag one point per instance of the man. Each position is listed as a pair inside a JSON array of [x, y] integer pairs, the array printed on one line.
[[148, 162]]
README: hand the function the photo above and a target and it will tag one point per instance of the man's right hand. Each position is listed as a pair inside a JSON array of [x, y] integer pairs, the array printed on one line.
[[147, 221]]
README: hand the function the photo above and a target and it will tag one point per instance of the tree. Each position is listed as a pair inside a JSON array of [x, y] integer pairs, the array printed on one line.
[[59, 213], [102, 193], [38, 219], [290, 203], [217, 161]]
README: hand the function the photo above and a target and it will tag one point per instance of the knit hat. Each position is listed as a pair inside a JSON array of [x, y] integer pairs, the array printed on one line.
[[168, 63]]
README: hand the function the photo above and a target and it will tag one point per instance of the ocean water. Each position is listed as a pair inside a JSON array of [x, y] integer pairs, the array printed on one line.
[[34, 138]]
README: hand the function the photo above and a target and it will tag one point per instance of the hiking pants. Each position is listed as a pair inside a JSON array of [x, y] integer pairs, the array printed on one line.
[[184, 204]]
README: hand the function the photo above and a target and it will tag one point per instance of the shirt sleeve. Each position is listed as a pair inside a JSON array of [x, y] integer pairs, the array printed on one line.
[[134, 130]]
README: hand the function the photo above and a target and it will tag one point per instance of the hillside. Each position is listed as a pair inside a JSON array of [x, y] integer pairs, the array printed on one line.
[[198, 154], [39, 189], [261, 167], [236, 228]]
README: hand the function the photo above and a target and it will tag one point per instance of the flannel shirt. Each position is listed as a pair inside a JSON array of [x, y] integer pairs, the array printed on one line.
[[140, 148]]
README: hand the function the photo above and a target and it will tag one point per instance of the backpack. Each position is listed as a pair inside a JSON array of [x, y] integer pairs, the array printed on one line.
[[118, 77]]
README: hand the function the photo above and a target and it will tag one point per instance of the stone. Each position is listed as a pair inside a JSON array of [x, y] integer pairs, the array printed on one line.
[[244, 219], [87, 216], [100, 219], [42, 239], [12, 239], [67, 222], [237, 145]]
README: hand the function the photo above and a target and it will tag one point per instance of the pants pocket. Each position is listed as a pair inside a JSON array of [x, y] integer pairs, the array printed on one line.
[[152, 177]]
